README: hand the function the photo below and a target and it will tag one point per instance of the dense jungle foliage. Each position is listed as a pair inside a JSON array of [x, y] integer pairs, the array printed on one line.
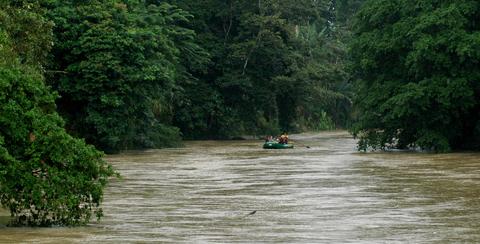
[[136, 74], [273, 65], [127, 74], [417, 65], [47, 177]]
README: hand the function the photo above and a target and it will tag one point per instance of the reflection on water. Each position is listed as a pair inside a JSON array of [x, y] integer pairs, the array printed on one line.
[[326, 193]]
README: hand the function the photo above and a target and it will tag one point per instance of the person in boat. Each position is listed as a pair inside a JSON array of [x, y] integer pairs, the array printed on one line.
[[284, 138], [268, 138]]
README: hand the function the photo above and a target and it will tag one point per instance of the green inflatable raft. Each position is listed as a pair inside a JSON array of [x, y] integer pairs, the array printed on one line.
[[276, 145]]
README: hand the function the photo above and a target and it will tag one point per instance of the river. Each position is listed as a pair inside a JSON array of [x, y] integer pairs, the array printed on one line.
[[323, 191]]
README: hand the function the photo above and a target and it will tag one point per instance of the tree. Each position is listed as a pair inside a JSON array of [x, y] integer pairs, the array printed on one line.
[[116, 66], [345, 10], [47, 177], [265, 74], [417, 66]]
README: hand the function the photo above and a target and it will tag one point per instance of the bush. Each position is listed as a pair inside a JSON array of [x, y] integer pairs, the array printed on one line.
[[47, 177]]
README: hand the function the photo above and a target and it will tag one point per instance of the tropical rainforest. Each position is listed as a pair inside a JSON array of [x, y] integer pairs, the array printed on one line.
[[417, 74], [81, 77]]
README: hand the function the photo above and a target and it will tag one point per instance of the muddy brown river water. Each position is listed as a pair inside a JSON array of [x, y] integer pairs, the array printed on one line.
[[328, 193]]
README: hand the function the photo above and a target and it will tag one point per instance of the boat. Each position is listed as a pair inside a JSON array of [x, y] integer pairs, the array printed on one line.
[[276, 145]]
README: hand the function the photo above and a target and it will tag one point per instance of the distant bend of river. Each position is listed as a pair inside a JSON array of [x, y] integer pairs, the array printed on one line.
[[327, 193]]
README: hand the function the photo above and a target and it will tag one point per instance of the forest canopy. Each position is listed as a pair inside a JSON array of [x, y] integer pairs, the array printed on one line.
[[417, 70], [140, 74]]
